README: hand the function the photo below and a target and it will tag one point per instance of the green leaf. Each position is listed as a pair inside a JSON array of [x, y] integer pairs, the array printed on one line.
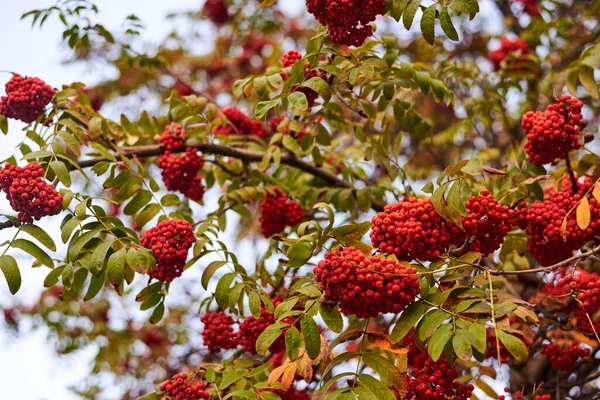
[[34, 250], [409, 13], [116, 266], [40, 235], [410, 316], [477, 336], [355, 231], [320, 86], [386, 369], [96, 285], [292, 342], [381, 391], [299, 253], [11, 272], [98, 257], [53, 277], [428, 23], [586, 75], [139, 200], [149, 212], [438, 341], [298, 101], [3, 124], [222, 291], [514, 345], [170, 200], [263, 107], [103, 151], [447, 25], [158, 313], [462, 344], [332, 317], [210, 271], [312, 337], [430, 322], [254, 304], [465, 6], [61, 171], [268, 337]]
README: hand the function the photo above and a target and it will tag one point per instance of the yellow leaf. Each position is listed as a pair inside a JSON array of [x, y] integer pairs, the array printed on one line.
[[486, 388], [563, 227], [288, 376], [596, 192], [277, 372], [583, 213]]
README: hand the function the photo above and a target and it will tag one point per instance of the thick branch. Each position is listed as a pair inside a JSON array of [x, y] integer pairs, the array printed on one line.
[[242, 154]]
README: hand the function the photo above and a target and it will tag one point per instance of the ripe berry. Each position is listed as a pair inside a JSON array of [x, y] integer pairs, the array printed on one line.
[[529, 7], [218, 332], [238, 123], [553, 133], [564, 359], [289, 59], [436, 381], [277, 212], [180, 172], [26, 98], [509, 47], [347, 21], [413, 230], [488, 223], [366, 286], [170, 242], [216, 11], [181, 387], [28, 193]]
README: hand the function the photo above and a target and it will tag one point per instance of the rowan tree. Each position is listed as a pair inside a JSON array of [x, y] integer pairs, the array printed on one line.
[[378, 199]]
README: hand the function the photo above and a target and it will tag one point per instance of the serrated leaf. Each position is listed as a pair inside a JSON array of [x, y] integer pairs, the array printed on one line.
[[312, 337], [355, 231], [586, 75], [98, 257], [409, 13], [381, 391], [223, 286], [465, 6], [169, 200], [263, 107], [430, 322], [149, 212], [461, 344], [299, 253], [62, 172], [158, 313], [40, 235], [268, 337], [116, 266], [292, 342], [428, 23], [209, 271], [33, 250], [409, 317], [584, 216], [332, 317], [254, 304], [447, 25], [11, 272], [298, 100], [320, 86], [139, 200], [514, 345], [438, 341]]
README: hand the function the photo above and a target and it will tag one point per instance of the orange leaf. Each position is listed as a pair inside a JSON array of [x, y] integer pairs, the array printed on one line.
[[596, 192], [306, 368], [584, 216], [288, 376], [563, 227], [277, 372]]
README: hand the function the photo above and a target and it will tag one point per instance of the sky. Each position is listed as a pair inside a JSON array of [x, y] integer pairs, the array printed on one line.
[[28, 368]]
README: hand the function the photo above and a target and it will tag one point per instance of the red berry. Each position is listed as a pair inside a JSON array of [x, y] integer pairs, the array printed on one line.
[[529, 7], [509, 47], [238, 123], [218, 332], [436, 380], [181, 387], [216, 11], [564, 359], [277, 212]]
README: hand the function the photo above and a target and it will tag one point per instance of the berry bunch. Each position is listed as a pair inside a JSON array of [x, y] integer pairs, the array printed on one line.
[[529, 7], [488, 223], [277, 212], [28, 193], [413, 230], [436, 381], [180, 173], [239, 124], [181, 388], [26, 98], [216, 11], [547, 242], [347, 21], [366, 286], [170, 242], [586, 287], [553, 133], [509, 47], [564, 359], [218, 332], [251, 328], [289, 59]]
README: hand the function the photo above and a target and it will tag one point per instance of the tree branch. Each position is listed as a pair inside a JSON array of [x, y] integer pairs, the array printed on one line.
[[504, 7]]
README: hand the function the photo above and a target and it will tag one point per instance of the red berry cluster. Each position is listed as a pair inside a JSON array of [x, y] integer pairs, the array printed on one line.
[[413, 230], [251, 328], [508, 47], [547, 243], [586, 287], [289, 59], [170, 242], [239, 124], [529, 7], [277, 212], [366, 286], [436, 381], [553, 133], [488, 223], [181, 388], [564, 359], [26, 98], [216, 11], [180, 173], [28, 193], [347, 21], [218, 332]]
